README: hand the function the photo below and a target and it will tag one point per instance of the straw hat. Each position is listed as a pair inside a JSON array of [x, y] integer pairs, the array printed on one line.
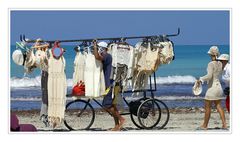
[[197, 88], [224, 57], [213, 51], [39, 40]]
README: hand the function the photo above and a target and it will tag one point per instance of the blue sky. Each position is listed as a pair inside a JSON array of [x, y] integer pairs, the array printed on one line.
[[197, 27]]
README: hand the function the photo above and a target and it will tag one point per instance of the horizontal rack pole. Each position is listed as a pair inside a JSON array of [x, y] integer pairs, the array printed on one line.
[[91, 39]]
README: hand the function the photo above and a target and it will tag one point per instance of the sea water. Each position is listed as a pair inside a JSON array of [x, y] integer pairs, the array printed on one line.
[[174, 80]]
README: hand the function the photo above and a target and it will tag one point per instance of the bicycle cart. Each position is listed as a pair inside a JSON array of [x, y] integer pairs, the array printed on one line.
[[145, 113]]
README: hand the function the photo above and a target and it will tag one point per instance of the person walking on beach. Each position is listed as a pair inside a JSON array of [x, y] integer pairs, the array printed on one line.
[[214, 93], [106, 59], [224, 58]]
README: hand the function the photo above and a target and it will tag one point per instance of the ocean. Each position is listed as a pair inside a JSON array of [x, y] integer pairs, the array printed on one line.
[[174, 80]]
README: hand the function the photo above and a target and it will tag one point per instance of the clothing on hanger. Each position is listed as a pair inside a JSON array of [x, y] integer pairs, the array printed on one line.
[[122, 54], [57, 89], [41, 60], [29, 64], [93, 76], [79, 65]]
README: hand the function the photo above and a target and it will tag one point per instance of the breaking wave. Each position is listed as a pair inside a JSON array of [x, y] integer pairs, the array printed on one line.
[[26, 82]]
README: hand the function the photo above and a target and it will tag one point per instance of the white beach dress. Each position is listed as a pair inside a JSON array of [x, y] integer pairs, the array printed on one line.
[[214, 71], [93, 77], [57, 89], [79, 65]]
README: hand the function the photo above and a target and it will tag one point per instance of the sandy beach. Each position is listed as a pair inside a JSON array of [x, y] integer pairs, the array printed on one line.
[[181, 120]]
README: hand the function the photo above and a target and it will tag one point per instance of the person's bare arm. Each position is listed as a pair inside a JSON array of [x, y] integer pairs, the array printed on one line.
[[95, 51]]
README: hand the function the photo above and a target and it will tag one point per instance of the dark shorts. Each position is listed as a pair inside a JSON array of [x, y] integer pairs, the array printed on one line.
[[108, 100]]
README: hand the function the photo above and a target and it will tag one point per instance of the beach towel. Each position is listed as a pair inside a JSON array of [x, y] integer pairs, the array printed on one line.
[[57, 89]]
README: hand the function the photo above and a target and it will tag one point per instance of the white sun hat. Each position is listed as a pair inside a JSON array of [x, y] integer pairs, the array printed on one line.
[[197, 88], [224, 57], [213, 51], [18, 57], [103, 44]]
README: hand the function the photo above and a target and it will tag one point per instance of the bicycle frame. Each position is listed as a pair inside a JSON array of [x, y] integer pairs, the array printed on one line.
[[151, 89]]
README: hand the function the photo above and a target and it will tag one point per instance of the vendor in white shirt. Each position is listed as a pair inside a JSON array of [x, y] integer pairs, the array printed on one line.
[[224, 58]]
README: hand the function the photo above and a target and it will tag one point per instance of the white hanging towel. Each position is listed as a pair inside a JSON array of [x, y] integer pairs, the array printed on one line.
[[57, 89], [79, 65], [93, 77]]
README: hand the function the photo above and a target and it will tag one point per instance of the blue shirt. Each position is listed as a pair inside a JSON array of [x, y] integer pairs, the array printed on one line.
[[107, 68]]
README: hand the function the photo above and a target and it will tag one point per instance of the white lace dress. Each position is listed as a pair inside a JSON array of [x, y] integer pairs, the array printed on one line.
[[57, 89]]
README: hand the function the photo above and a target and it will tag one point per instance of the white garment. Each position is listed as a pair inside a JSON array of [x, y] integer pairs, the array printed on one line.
[[79, 65], [214, 71], [148, 58], [122, 54], [41, 60], [57, 89], [143, 66], [30, 61], [166, 54], [93, 77], [226, 74]]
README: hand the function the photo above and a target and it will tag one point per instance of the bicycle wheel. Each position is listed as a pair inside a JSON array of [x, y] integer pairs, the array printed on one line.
[[165, 115], [149, 114], [134, 118], [135, 121], [79, 115]]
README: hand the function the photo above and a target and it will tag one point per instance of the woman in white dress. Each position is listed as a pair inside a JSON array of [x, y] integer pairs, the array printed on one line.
[[214, 93]]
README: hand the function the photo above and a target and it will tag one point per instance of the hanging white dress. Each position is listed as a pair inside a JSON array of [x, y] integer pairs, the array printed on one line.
[[93, 77], [79, 65], [57, 89]]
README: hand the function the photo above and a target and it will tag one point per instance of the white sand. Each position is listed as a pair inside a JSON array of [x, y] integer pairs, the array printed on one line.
[[181, 120]]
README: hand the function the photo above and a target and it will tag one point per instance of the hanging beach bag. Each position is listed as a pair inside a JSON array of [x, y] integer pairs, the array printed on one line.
[[79, 89], [134, 105], [18, 57], [57, 51]]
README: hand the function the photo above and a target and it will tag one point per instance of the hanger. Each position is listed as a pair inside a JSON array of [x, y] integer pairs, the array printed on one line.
[[122, 41]]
